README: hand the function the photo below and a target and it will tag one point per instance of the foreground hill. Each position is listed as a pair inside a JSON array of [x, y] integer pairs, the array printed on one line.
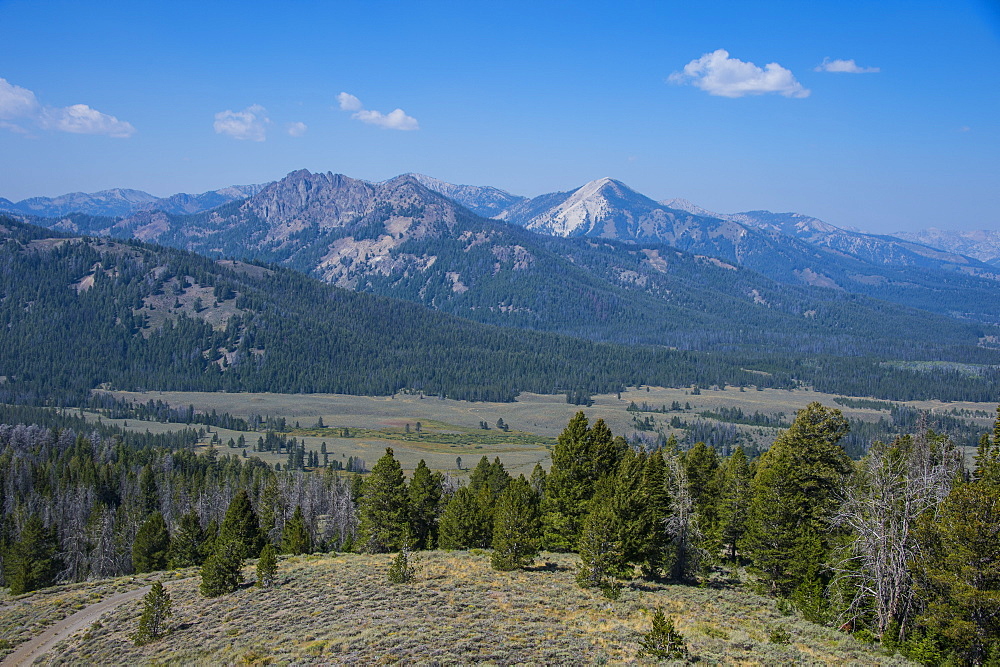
[[340, 609]]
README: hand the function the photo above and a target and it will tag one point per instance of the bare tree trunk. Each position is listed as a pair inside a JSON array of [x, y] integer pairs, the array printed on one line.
[[894, 486]]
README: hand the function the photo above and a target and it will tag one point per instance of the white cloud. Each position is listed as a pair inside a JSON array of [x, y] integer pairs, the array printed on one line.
[[297, 129], [848, 66], [348, 102], [16, 102], [20, 104], [718, 74], [251, 123], [81, 119], [394, 120]]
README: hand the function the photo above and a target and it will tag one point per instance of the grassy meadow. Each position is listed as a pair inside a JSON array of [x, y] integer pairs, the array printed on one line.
[[341, 609], [451, 429]]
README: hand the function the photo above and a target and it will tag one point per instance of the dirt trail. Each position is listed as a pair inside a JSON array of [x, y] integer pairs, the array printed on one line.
[[31, 650]]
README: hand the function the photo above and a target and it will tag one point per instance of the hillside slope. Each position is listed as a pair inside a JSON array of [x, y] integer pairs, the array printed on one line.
[[340, 609]]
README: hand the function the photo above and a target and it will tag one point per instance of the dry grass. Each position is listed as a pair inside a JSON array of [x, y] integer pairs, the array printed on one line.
[[340, 609]]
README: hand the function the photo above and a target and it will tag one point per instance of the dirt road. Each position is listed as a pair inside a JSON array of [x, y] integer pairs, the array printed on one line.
[[31, 650]]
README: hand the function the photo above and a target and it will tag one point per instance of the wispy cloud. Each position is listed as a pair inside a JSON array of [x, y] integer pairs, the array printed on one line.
[[297, 129], [848, 66], [19, 106], [718, 74], [249, 124], [394, 120]]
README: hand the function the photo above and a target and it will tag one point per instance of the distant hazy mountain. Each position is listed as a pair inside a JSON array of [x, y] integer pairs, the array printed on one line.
[[486, 201], [983, 244], [120, 202], [116, 202]]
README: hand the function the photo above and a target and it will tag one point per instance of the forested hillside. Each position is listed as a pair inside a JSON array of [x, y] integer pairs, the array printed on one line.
[[78, 313]]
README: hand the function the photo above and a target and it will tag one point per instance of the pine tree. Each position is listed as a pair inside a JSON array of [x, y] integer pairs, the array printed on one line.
[[582, 456], [295, 538], [602, 557], [148, 493], [31, 562], [662, 642], [186, 546], [701, 466], [156, 609], [653, 555], [516, 527], [382, 510], [267, 567], [795, 487], [462, 524], [424, 495], [628, 501], [958, 572], [403, 568], [241, 527], [151, 547], [222, 573], [735, 501]]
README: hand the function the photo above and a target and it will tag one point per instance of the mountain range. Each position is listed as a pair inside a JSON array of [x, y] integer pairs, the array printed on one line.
[[413, 236], [119, 202]]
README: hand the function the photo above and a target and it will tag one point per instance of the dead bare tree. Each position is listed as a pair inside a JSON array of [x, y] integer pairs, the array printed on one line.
[[895, 484]]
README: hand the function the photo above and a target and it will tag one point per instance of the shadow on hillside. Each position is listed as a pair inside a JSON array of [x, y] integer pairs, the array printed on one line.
[[548, 566]]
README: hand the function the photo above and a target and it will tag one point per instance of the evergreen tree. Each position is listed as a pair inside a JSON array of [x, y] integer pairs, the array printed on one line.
[[653, 550], [241, 527], [295, 538], [734, 502], [382, 510], [582, 456], [794, 495], [663, 642], [403, 568], [462, 524], [31, 562], [222, 572], [958, 572], [424, 494], [187, 543], [267, 567], [701, 466], [516, 527], [156, 609], [602, 557], [537, 480], [148, 493], [628, 501], [151, 547]]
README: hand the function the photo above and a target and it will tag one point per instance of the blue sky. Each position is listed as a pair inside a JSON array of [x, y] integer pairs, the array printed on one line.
[[726, 104]]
